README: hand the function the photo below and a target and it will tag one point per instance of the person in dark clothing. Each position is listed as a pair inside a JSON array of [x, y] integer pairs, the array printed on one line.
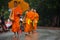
[[3, 21]]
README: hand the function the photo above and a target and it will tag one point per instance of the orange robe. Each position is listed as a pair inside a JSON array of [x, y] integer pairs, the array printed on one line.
[[28, 19], [16, 12], [30, 15], [35, 21]]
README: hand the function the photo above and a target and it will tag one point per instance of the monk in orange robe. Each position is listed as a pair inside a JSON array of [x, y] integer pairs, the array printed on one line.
[[36, 18], [15, 17], [28, 19]]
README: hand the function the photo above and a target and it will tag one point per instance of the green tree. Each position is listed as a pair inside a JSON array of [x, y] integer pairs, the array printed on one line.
[[4, 3]]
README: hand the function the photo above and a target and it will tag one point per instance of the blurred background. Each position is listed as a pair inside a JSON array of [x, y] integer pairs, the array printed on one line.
[[48, 10]]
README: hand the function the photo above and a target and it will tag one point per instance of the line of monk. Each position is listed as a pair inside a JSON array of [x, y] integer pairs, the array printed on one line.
[[30, 19]]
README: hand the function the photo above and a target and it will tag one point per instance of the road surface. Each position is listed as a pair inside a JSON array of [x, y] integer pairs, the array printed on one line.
[[41, 34]]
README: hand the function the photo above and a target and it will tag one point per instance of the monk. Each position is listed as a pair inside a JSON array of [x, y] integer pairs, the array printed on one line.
[[28, 19], [36, 18], [15, 17]]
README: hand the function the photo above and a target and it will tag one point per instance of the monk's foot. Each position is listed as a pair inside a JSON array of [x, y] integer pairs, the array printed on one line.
[[31, 32], [17, 34], [14, 36], [26, 34], [34, 31]]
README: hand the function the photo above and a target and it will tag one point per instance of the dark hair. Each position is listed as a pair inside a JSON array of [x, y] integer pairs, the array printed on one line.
[[15, 2]]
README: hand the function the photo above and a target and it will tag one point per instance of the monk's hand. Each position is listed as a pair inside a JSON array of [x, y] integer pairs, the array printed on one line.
[[12, 20], [18, 15]]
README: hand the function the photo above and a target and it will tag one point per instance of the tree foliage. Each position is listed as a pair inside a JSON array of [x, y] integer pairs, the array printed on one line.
[[4, 3], [47, 9]]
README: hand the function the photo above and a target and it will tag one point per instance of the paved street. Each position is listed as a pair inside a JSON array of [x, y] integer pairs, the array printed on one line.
[[41, 34]]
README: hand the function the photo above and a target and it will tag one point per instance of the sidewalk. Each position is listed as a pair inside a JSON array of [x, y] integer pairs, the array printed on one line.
[[51, 28], [41, 34]]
